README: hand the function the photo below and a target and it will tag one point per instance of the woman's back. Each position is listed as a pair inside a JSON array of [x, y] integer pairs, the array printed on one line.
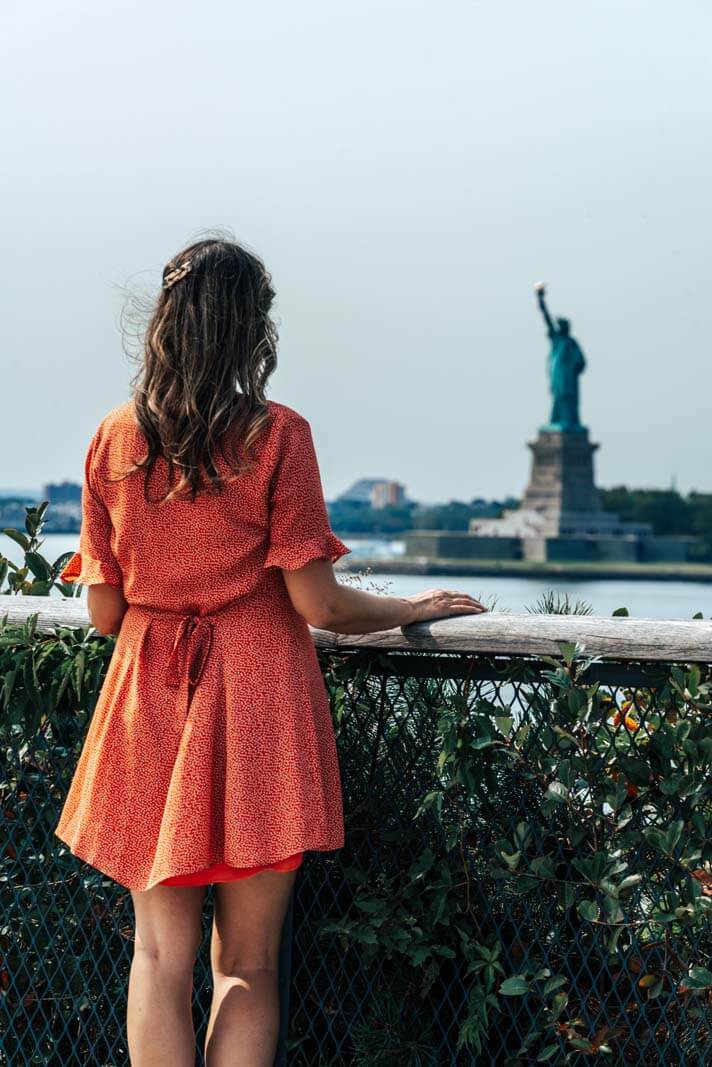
[[199, 555]]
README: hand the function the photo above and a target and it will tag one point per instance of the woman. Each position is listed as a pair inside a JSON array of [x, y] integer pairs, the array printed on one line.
[[211, 756]]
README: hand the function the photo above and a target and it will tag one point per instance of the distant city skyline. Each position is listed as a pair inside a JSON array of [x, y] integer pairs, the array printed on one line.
[[344, 494], [36, 493]]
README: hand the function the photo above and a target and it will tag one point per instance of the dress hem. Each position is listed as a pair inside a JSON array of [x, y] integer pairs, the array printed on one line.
[[224, 872], [306, 847]]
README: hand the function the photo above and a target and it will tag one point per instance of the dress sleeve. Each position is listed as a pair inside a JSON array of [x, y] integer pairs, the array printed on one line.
[[300, 530], [94, 563]]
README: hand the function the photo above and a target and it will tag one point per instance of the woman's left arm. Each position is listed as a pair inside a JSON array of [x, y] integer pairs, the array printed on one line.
[[106, 606], [95, 565]]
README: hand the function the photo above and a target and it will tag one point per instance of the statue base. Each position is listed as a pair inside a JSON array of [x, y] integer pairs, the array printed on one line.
[[562, 485]]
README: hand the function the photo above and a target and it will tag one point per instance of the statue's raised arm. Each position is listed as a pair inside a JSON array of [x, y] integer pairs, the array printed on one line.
[[540, 290]]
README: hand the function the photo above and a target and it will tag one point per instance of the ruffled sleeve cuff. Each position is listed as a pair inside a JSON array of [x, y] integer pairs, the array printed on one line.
[[84, 570], [293, 556]]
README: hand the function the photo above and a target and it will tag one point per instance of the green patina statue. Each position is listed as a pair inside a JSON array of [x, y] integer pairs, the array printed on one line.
[[566, 362]]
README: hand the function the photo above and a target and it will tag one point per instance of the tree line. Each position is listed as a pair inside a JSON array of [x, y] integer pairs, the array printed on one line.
[[668, 510]]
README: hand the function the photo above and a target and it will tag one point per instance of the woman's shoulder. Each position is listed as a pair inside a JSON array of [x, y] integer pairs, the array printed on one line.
[[121, 422], [282, 413], [289, 429], [116, 421]]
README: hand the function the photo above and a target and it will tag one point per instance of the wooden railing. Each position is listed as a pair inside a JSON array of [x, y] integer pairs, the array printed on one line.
[[617, 637]]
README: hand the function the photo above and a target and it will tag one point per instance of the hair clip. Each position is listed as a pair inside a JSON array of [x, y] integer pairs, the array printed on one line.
[[176, 274]]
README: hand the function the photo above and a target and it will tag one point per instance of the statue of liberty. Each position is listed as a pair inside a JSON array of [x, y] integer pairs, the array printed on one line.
[[566, 362]]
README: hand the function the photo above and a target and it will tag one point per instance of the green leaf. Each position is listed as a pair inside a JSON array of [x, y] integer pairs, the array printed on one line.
[[80, 663], [629, 882], [17, 536], [559, 730], [589, 910], [481, 743], [504, 724], [39, 566], [522, 834], [61, 562], [424, 862], [372, 907], [543, 867], [678, 678], [32, 685], [515, 986], [554, 983], [568, 651], [8, 685], [547, 1053], [673, 834], [635, 770], [654, 837], [558, 1004], [693, 679], [557, 791], [699, 978], [582, 1044]]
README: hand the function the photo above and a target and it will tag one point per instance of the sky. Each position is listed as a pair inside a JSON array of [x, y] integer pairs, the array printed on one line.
[[407, 171]]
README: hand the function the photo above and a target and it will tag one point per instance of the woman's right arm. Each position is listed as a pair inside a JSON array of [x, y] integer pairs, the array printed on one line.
[[328, 604]]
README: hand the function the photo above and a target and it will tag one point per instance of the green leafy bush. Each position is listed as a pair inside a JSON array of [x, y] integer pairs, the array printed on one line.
[[545, 868]]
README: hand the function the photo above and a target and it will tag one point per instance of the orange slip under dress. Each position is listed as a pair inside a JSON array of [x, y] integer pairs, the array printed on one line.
[[210, 755]]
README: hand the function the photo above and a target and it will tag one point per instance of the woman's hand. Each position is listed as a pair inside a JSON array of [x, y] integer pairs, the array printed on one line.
[[441, 603], [328, 604]]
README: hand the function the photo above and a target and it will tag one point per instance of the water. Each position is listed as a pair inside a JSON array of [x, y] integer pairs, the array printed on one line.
[[644, 599]]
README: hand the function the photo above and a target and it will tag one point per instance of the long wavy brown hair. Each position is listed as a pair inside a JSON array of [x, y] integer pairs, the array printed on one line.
[[207, 353]]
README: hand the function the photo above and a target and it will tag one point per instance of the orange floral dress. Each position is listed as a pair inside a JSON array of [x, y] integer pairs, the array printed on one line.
[[211, 752]]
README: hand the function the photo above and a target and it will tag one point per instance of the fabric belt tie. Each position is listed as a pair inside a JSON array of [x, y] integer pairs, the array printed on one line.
[[190, 650]]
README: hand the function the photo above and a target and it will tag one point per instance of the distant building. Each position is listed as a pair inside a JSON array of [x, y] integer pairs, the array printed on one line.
[[359, 492], [62, 492], [387, 494], [373, 492], [64, 514]]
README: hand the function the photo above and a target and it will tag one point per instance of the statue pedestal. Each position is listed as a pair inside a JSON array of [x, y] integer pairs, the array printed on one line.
[[562, 485]]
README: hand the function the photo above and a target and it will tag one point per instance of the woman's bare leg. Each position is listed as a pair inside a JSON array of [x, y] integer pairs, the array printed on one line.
[[243, 1027], [159, 1018]]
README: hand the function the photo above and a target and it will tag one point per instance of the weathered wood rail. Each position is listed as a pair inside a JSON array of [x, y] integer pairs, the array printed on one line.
[[617, 637]]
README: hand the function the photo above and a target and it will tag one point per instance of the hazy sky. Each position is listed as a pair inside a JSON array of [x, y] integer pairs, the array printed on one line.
[[408, 171]]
